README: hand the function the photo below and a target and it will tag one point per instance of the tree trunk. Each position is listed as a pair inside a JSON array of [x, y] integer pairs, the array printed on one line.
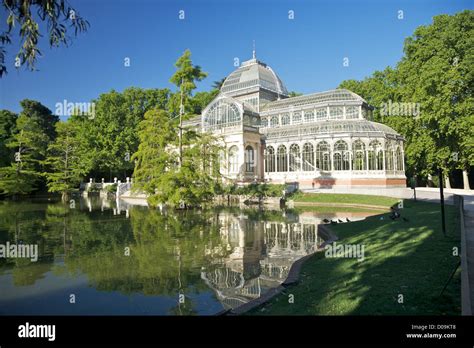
[[465, 179], [65, 197], [446, 182]]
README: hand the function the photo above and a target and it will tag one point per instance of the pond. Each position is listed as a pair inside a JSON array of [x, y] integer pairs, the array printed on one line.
[[107, 257]]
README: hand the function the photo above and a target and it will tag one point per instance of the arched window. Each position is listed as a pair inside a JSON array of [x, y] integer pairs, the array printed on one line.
[[341, 155], [264, 122], [222, 114], [309, 116], [282, 159], [295, 158], [380, 160], [285, 119], [389, 157], [399, 159], [323, 156], [249, 159], [321, 114], [274, 121], [352, 112], [233, 159], [296, 117], [337, 161], [270, 159], [375, 155], [308, 157], [358, 152]]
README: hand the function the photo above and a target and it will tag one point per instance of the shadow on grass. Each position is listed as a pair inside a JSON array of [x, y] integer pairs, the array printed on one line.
[[405, 268]]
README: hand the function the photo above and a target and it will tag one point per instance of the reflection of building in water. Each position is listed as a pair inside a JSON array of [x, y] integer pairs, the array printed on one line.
[[259, 257]]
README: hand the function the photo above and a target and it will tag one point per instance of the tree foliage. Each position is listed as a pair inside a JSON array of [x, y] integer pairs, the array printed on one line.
[[65, 162], [7, 130], [437, 73], [156, 163], [56, 14], [34, 131]]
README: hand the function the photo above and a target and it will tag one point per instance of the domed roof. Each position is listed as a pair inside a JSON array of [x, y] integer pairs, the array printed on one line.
[[253, 73]]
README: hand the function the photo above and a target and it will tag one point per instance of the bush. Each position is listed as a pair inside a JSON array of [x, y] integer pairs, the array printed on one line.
[[93, 188], [111, 188], [255, 190]]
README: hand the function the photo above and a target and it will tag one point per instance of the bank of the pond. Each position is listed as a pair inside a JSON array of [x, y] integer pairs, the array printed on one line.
[[406, 265]]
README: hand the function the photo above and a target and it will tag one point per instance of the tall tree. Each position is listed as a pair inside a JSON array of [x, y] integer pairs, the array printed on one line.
[[185, 79], [35, 130], [438, 72], [65, 162], [152, 159]]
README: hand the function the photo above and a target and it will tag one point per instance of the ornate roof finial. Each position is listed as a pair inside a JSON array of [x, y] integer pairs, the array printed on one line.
[[254, 53]]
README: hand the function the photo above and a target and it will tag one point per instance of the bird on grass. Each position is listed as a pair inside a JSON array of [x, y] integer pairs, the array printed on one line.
[[333, 222], [326, 221], [339, 220], [347, 219]]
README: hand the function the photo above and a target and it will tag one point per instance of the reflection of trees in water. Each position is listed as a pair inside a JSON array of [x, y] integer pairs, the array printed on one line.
[[166, 255], [25, 222]]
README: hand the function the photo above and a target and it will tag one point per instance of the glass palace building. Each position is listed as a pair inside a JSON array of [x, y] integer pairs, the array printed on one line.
[[317, 140]]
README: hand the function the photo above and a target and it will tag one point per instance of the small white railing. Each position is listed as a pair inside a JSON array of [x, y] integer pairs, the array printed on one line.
[[123, 187]]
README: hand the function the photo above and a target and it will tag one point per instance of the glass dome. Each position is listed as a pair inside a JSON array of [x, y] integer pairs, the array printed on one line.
[[253, 73]]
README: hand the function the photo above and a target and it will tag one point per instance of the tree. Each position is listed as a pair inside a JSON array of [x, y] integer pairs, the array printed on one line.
[[202, 99], [185, 79], [438, 72], [35, 130], [112, 134], [198, 178], [156, 163], [152, 158], [55, 13], [7, 130], [294, 94], [65, 163], [218, 84]]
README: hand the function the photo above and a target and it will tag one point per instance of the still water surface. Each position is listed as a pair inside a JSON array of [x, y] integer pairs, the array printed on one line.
[[114, 258]]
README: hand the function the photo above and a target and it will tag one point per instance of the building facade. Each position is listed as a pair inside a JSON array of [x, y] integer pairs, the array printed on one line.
[[317, 140]]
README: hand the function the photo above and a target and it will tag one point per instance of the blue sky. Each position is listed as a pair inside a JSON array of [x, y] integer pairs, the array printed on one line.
[[306, 52]]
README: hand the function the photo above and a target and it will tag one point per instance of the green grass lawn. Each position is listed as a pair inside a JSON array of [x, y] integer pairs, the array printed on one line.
[[343, 198], [411, 258], [321, 209]]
